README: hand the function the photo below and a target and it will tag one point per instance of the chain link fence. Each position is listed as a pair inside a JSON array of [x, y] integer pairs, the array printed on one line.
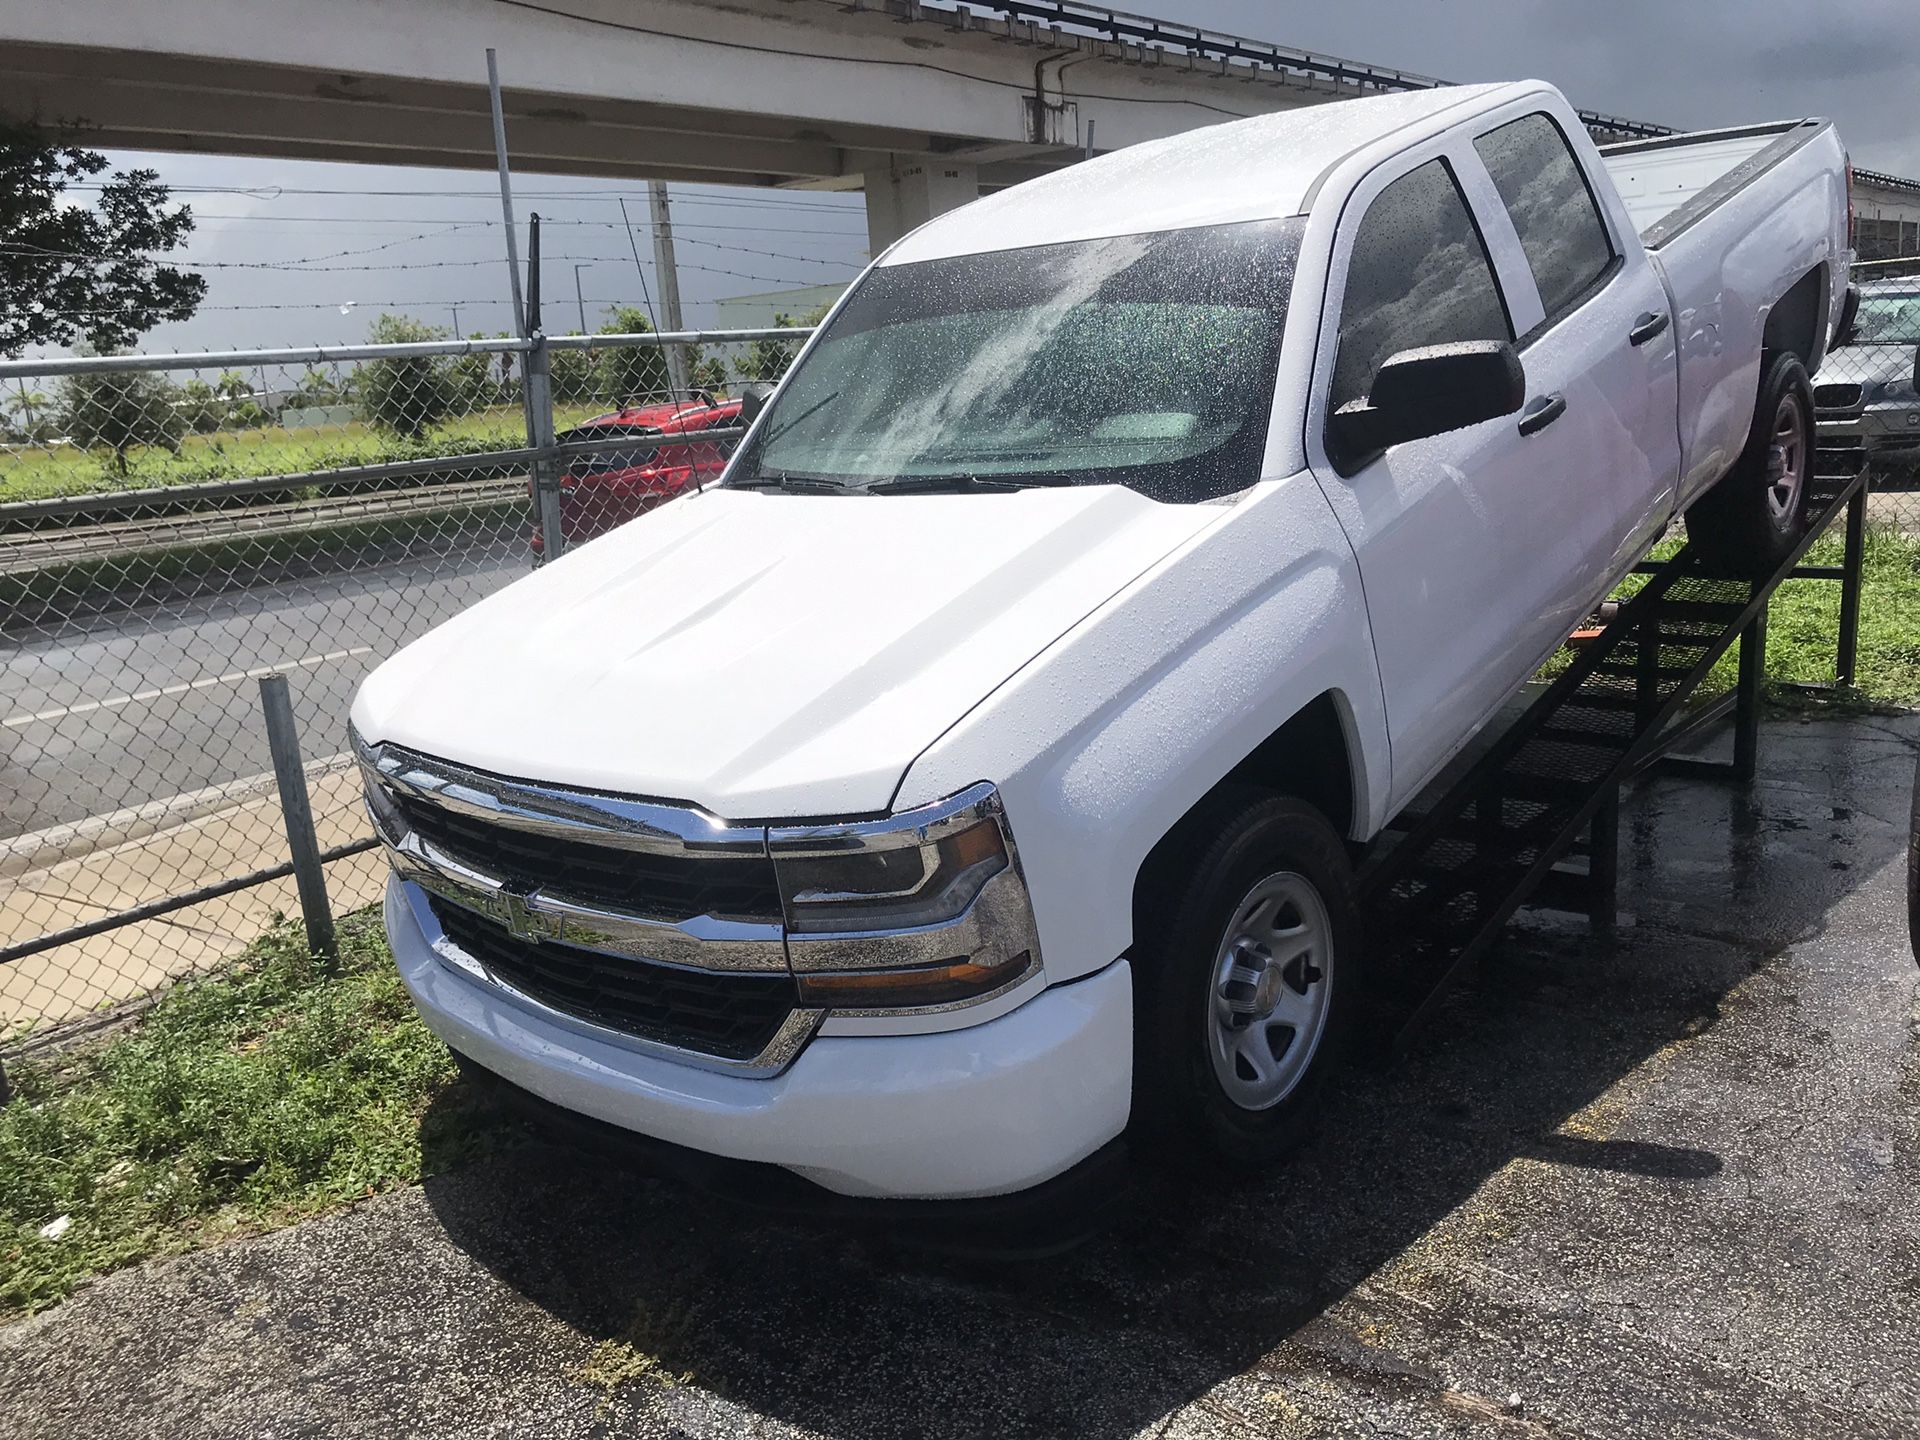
[[175, 528], [1866, 389]]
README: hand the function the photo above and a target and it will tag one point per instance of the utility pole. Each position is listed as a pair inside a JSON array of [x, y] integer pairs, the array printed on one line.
[[506, 191], [456, 322], [669, 282], [576, 294]]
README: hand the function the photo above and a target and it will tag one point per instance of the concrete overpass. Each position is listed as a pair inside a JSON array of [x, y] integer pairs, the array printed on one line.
[[922, 106]]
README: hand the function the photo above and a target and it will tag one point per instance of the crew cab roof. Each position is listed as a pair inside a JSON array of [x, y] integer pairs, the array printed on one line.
[[1254, 169]]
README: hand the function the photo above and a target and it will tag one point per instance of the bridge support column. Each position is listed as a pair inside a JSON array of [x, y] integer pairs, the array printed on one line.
[[910, 192]]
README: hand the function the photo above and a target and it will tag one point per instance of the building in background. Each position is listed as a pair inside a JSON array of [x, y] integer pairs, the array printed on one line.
[[756, 312]]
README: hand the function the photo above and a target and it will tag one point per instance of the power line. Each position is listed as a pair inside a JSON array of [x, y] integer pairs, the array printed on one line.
[[544, 221], [274, 192], [296, 267]]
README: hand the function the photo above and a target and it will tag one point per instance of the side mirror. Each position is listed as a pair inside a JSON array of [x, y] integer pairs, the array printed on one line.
[[753, 399], [1849, 313], [1430, 391]]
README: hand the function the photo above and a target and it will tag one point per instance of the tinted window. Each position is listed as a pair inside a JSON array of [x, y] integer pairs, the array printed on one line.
[[1561, 231], [1419, 276], [1139, 360]]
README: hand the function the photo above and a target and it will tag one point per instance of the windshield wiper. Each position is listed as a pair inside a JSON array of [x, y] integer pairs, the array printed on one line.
[[966, 484], [785, 425], [800, 484]]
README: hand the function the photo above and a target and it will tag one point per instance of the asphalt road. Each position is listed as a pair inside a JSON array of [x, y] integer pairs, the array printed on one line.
[[1663, 1183], [158, 702]]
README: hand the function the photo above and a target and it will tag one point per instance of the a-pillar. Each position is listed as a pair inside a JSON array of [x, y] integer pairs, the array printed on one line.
[[910, 192]]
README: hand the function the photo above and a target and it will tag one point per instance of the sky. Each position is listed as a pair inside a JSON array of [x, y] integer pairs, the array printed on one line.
[[1687, 63]]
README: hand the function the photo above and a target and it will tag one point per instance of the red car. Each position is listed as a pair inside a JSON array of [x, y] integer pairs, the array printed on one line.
[[609, 487]]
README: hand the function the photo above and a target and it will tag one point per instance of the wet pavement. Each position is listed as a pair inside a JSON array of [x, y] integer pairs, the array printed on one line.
[[1663, 1183]]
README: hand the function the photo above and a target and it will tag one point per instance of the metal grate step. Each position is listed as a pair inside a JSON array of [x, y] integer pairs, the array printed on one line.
[[1442, 890]]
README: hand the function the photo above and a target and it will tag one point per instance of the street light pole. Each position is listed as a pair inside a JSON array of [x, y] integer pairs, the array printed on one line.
[[576, 294]]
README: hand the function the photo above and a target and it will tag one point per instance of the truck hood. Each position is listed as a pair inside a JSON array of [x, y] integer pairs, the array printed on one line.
[[766, 654]]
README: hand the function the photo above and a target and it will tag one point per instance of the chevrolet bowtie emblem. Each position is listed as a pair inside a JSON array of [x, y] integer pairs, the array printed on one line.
[[515, 911]]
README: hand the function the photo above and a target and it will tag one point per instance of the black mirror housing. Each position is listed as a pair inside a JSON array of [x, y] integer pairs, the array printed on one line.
[[1429, 391], [753, 399]]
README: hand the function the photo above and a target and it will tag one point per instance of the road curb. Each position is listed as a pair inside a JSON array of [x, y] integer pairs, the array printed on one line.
[[43, 849]]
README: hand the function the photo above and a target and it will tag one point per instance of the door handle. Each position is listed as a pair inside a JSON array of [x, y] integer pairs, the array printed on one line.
[[1646, 327], [1542, 413]]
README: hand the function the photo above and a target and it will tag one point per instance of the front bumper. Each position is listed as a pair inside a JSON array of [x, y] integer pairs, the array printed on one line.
[[987, 1110], [1880, 428]]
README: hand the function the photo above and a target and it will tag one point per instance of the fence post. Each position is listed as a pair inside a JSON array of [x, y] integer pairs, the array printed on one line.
[[546, 473], [283, 739], [1847, 653]]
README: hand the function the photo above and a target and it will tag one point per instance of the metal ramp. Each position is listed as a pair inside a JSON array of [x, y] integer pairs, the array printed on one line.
[[1440, 888]]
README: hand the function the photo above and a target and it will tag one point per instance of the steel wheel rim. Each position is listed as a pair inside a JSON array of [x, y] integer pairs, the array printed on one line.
[[1786, 462], [1271, 986]]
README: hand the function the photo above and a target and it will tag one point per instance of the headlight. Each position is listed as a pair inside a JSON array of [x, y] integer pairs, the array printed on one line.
[[927, 909], [386, 817]]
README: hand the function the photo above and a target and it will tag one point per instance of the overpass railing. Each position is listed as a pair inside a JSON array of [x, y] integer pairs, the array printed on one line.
[[175, 528]]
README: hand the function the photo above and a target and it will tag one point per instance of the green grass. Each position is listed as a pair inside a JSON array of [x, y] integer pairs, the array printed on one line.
[[30, 474], [1804, 622], [269, 1092], [1806, 617]]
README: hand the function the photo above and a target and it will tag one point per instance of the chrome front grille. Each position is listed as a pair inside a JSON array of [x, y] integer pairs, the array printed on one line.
[[657, 922], [733, 1017], [657, 886]]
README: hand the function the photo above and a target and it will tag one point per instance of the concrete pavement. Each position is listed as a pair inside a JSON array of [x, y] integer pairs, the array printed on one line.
[[134, 766], [1662, 1184], [244, 835]]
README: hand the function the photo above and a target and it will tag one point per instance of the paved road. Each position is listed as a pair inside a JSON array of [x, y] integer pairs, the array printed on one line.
[[1662, 1185], [154, 703]]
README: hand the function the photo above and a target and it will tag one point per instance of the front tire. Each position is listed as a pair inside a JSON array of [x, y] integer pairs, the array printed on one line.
[[1749, 523], [1247, 982]]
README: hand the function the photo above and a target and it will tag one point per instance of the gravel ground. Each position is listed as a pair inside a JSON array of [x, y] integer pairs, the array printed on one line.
[[1666, 1183]]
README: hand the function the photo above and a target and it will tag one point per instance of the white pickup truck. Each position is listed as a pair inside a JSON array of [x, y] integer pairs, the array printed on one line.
[[975, 774]]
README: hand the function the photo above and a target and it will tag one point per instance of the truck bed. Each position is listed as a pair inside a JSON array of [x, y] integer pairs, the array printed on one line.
[[1671, 182]]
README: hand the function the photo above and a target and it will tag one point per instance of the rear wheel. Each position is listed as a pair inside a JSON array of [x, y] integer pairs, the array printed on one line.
[[1246, 981], [1749, 523]]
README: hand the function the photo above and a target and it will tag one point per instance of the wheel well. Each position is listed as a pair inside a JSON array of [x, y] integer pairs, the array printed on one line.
[[1793, 325], [1307, 758]]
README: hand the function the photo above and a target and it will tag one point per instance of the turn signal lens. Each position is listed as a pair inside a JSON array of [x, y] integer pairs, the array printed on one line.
[[910, 989]]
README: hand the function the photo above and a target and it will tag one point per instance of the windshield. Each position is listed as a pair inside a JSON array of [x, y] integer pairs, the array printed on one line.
[[1143, 360], [1888, 320]]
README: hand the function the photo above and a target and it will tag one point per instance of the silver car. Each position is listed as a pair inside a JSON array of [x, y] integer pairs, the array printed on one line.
[[1866, 387]]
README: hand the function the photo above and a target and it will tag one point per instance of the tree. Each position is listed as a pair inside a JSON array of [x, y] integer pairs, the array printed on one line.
[[70, 272], [769, 359], [405, 395], [571, 374], [119, 410], [709, 373], [320, 387], [241, 411], [29, 415], [625, 373], [201, 409]]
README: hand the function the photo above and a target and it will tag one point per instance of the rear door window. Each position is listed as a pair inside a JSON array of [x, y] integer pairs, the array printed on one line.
[[1419, 275], [1560, 227]]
